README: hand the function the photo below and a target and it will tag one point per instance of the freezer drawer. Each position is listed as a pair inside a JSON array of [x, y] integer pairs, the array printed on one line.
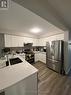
[[54, 65]]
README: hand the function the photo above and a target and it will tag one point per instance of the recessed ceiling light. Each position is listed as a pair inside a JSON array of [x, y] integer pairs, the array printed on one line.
[[35, 30]]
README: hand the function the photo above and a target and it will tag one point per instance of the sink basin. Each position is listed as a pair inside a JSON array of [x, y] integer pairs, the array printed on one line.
[[14, 61]]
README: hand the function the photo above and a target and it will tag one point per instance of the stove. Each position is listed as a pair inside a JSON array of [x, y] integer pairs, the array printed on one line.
[[29, 56]]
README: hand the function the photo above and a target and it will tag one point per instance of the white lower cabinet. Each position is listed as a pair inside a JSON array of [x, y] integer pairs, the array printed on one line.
[[42, 42], [40, 56], [36, 57], [27, 86]]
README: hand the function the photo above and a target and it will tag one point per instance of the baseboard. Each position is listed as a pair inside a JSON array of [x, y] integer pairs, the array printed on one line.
[[40, 61]]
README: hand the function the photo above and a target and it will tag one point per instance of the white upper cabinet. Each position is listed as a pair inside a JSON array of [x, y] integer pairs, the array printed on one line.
[[31, 40], [8, 40], [18, 41], [28, 40], [42, 41], [13, 41], [35, 42], [60, 37]]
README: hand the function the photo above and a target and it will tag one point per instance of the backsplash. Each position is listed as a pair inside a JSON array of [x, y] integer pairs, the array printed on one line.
[[39, 48], [21, 49]]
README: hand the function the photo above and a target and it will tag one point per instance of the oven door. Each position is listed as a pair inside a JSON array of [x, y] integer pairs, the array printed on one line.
[[29, 58]]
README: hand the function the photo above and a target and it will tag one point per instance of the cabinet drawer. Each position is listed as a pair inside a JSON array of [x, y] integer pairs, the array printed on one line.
[[56, 66]]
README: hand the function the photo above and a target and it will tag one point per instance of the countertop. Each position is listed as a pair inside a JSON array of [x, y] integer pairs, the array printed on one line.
[[14, 73]]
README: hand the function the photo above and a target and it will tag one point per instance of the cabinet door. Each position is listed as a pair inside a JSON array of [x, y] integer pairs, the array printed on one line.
[[28, 40], [15, 41], [20, 41], [26, 86], [60, 37], [31, 40], [8, 40], [42, 57], [36, 57], [35, 42], [42, 42]]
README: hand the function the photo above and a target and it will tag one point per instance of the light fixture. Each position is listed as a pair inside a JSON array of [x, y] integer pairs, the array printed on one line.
[[35, 30]]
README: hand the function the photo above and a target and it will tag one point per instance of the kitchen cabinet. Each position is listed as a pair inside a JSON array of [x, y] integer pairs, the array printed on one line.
[[31, 40], [36, 57], [42, 41], [27, 86], [13, 41], [40, 56], [18, 41], [28, 40], [8, 40], [35, 42], [60, 37], [2, 63], [19, 79]]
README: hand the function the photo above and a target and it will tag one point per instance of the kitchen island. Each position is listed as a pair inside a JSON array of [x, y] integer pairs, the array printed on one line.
[[19, 79]]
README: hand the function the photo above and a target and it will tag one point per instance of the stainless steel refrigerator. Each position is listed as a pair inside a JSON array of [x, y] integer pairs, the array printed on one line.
[[55, 56]]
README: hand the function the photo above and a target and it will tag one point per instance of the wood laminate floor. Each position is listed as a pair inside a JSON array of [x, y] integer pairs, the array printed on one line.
[[52, 83]]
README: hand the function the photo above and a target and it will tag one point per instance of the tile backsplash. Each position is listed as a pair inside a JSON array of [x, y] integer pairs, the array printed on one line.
[[20, 49]]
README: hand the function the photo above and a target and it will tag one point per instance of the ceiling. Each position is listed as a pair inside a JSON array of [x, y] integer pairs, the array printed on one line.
[[55, 11], [21, 20]]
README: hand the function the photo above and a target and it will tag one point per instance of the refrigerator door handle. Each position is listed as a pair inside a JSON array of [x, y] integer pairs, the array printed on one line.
[[52, 60]]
